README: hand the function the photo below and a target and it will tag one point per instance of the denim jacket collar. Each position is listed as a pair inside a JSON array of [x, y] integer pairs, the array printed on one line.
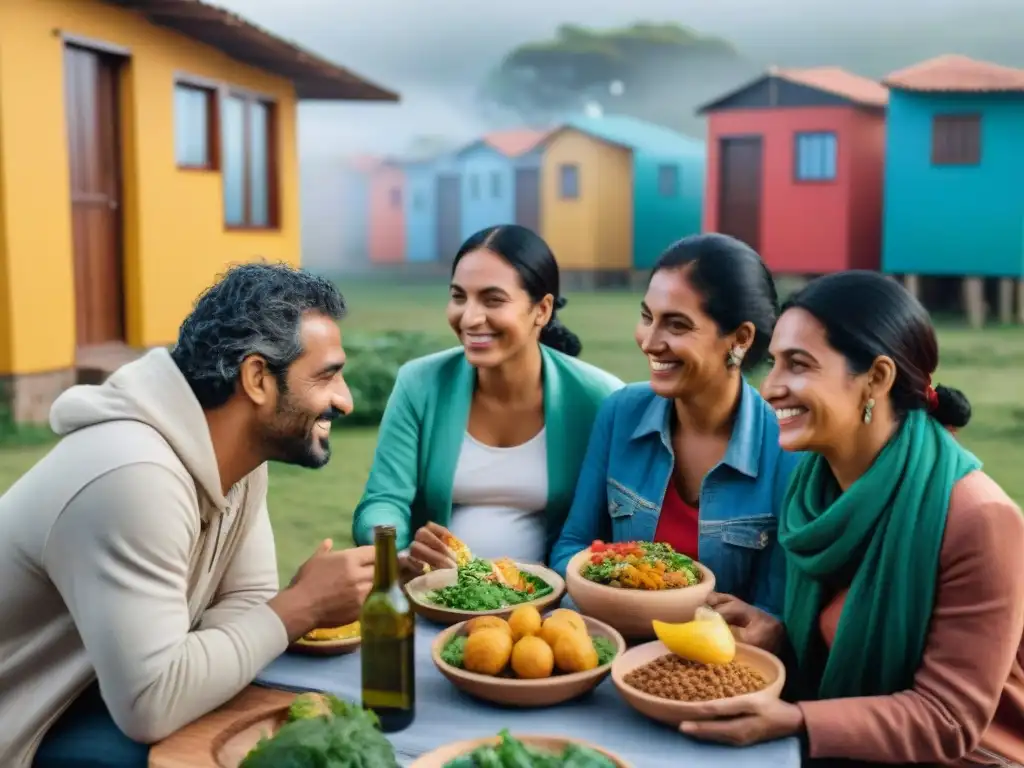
[[744, 450]]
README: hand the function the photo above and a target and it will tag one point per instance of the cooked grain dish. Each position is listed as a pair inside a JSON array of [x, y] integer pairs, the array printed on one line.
[[675, 678]]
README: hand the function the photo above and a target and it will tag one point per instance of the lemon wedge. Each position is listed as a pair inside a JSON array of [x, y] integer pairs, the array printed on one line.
[[705, 640]]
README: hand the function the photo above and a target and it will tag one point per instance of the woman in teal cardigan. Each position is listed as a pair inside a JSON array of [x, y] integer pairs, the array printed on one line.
[[486, 440]]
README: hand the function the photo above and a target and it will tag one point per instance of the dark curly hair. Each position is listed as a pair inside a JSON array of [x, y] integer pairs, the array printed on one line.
[[253, 309], [531, 257]]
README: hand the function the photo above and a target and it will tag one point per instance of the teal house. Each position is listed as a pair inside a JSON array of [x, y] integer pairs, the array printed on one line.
[[954, 175]]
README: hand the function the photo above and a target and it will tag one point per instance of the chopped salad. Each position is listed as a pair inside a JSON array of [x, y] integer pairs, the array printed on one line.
[[639, 565], [485, 586]]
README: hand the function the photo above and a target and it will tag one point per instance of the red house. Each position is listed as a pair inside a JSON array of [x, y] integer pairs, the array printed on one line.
[[795, 169]]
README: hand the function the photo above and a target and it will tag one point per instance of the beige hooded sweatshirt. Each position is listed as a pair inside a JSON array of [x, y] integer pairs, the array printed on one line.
[[122, 560]]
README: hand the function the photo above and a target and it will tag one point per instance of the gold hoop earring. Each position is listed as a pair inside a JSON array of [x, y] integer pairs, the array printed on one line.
[[869, 406]]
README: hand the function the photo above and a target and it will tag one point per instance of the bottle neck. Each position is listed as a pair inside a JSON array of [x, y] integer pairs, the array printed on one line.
[[385, 573]]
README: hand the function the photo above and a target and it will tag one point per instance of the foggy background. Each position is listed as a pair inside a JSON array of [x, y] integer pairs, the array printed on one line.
[[436, 53]]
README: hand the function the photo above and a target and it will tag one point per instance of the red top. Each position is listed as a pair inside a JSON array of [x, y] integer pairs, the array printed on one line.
[[678, 523]]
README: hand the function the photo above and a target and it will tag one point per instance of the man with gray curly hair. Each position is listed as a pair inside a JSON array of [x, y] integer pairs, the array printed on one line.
[[137, 562]]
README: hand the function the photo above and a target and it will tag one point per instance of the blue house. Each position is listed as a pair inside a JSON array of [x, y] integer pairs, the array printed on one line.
[[954, 176], [433, 220], [501, 180], [617, 190]]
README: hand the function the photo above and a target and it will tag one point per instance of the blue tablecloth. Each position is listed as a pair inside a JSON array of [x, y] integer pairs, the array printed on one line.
[[444, 714]]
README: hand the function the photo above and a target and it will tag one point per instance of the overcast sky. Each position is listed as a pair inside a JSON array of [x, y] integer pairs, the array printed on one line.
[[434, 52]]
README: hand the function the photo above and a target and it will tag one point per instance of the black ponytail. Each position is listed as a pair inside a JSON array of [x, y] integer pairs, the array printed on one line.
[[557, 336]]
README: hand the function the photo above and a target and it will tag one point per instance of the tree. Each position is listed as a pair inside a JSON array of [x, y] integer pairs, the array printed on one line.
[[657, 72]]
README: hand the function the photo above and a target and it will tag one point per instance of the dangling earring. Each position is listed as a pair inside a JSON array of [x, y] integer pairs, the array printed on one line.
[[869, 406], [735, 357]]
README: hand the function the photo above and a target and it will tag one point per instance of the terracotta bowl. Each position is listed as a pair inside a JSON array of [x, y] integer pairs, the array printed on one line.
[[512, 692], [418, 588], [326, 647], [631, 610], [443, 755], [672, 712]]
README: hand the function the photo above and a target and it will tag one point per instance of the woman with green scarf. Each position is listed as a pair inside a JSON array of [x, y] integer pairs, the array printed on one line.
[[903, 625]]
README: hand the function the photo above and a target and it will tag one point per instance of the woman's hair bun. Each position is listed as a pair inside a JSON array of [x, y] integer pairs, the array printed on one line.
[[953, 408], [558, 337]]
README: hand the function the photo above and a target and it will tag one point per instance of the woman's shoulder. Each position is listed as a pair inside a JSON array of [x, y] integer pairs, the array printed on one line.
[[435, 364], [982, 518], [596, 380]]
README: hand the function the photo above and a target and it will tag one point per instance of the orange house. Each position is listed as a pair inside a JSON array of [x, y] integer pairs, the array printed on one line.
[[387, 214]]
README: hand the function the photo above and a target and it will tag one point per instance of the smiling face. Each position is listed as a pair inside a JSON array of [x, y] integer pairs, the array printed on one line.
[[490, 311], [818, 401], [685, 349], [314, 395]]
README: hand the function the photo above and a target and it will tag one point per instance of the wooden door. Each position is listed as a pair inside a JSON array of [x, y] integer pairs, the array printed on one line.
[[449, 217], [528, 198], [93, 117], [739, 189]]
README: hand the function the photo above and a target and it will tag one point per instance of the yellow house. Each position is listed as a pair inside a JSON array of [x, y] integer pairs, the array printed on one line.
[[144, 147], [586, 203]]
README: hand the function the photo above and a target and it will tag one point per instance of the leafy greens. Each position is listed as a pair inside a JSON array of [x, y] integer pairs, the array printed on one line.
[[474, 591], [322, 731], [512, 753]]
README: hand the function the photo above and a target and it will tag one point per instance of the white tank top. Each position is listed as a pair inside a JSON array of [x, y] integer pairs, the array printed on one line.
[[498, 499]]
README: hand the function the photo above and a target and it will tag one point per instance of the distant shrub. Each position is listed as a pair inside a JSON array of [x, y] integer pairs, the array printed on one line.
[[373, 363]]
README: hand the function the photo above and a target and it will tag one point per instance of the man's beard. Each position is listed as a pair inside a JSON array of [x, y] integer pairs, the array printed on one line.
[[292, 440]]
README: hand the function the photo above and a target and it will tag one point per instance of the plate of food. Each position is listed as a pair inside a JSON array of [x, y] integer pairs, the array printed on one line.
[[632, 583], [479, 587], [692, 663], [520, 751], [528, 660], [333, 641]]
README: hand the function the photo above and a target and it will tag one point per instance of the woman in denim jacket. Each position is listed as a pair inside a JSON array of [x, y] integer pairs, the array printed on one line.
[[692, 458]]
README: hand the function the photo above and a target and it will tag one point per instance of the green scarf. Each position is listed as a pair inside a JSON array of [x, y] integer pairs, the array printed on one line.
[[885, 533]]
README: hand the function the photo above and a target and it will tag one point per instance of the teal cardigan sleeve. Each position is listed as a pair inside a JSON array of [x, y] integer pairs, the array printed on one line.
[[392, 484]]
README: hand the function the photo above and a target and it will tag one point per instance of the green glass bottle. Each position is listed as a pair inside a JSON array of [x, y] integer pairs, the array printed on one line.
[[388, 628]]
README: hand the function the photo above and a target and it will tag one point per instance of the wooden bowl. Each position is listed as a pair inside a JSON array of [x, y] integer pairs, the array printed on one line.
[[672, 712], [325, 647], [512, 692], [631, 611], [443, 755], [418, 588]]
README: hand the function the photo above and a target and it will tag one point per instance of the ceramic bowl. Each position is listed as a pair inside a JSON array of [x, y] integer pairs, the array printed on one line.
[[631, 611], [513, 692], [417, 589], [672, 712], [443, 755]]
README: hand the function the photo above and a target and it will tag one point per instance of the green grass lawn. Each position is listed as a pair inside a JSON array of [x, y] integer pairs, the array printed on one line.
[[308, 505]]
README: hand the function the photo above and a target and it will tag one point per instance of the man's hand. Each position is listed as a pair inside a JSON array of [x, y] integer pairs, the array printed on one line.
[[428, 552], [328, 590], [749, 625]]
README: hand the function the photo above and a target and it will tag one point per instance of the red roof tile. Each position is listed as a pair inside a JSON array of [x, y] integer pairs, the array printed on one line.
[[861, 90], [513, 143], [954, 73]]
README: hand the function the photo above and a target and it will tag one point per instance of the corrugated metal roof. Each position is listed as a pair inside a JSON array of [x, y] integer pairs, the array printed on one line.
[[313, 77], [957, 74], [836, 80], [636, 134]]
